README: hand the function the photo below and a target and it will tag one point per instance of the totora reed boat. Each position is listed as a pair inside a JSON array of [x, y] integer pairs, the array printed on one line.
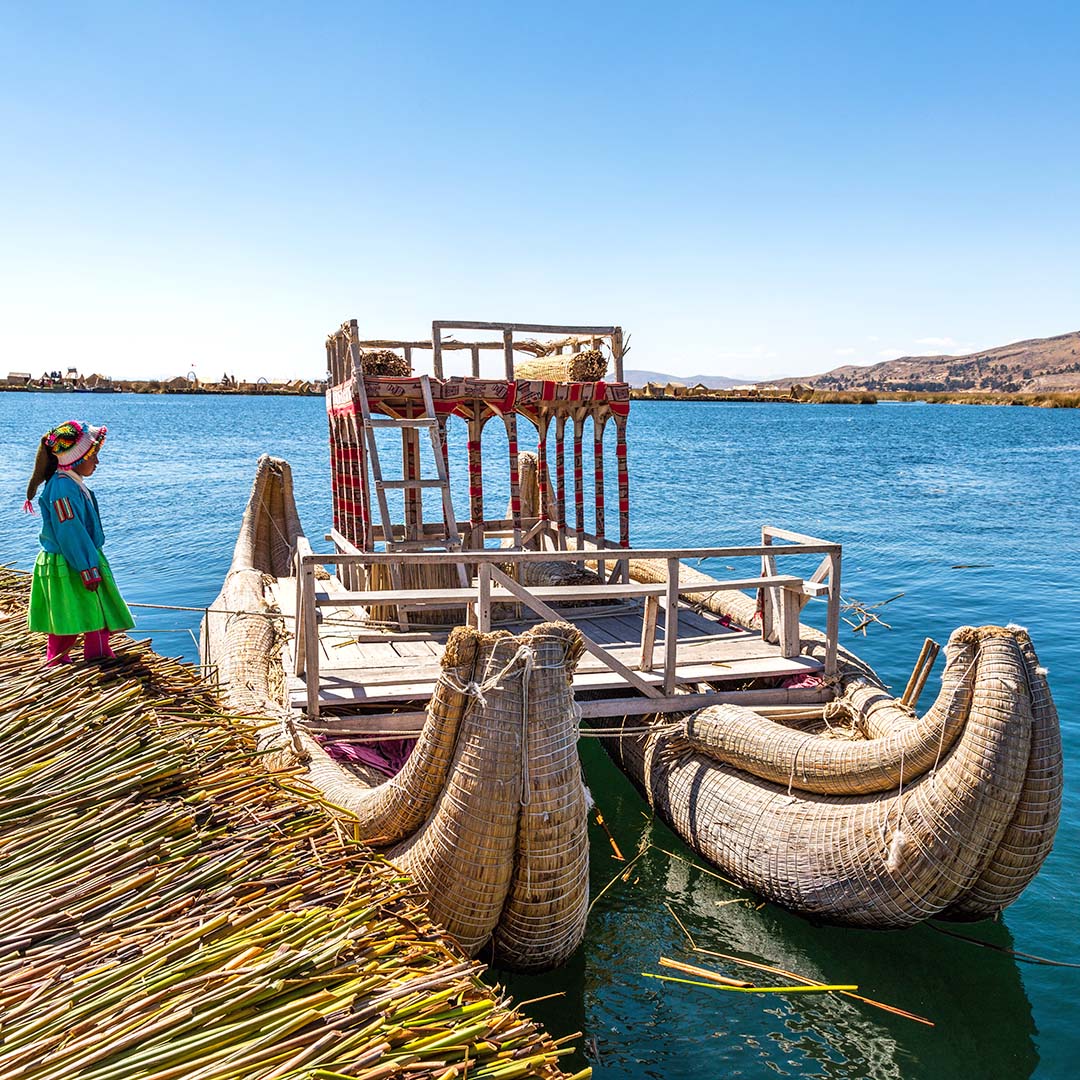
[[432, 686]]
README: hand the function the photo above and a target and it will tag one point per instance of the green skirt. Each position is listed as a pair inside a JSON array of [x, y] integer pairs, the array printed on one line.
[[59, 604]]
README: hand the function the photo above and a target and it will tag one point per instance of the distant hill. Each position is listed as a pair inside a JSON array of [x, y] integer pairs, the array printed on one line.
[[637, 377], [1038, 365]]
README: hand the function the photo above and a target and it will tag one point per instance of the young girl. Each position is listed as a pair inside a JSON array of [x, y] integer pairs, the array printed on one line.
[[73, 591]]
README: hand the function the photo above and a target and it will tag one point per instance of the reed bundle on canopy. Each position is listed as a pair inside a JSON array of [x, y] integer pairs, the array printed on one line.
[[588, 365], [384, 363], [169, 908]]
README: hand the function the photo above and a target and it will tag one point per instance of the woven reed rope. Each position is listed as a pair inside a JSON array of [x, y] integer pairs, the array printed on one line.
[[590, 365], [468, 856], [888, 860], [384, 363]]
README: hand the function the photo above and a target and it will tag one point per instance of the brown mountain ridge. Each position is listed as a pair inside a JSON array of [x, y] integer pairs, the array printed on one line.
[[1035, 366]]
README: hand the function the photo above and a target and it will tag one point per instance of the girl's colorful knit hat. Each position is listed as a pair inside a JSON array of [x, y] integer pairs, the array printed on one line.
[[73, 440]]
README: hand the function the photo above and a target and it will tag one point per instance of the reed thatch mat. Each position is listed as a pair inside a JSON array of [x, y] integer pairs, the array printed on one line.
[[168, 908]]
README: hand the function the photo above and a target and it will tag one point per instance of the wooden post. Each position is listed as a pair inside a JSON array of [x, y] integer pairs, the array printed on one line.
[[599, 420], [624, 492], [648, 632], [560, 478], [476, 479], [579, 479], [671, 625], [510, 420], [790, 606], [617, 352], [475, 351], [543, 510], [311, 636], [508, 354], [299, 644], [770, 598], [414, 498], [832, 616], [436, 351], [920, 673], [483, 605]]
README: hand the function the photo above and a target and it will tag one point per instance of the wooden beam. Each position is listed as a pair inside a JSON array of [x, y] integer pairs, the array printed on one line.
[[524, 328], [691, 702], [541, 608], [648, 632], [790, 644], [832, 616], [483, 604], [671, 625], [576, 555]]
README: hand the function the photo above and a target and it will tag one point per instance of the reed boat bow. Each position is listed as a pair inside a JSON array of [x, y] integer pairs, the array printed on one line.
[[946, 814], [487, 815]]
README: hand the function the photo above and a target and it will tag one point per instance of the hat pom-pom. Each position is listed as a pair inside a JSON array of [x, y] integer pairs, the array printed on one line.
[[28, 507]]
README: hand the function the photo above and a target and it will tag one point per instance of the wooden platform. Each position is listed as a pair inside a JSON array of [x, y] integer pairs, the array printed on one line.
[[361, 668]]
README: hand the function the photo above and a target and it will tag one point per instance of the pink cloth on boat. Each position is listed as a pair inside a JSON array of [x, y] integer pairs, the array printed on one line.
[[807, 681], [386, 756]]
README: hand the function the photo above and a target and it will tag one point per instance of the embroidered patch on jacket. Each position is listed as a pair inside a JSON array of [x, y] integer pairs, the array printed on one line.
[[63, 510]]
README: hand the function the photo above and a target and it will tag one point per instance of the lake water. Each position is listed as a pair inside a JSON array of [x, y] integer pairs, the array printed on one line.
[[969, 512]]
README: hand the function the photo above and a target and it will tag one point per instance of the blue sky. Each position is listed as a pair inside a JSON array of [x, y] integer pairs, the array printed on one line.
[[753, 190]]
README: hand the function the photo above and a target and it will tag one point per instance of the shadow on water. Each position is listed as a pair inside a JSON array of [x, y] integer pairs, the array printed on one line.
[[635, 1026]]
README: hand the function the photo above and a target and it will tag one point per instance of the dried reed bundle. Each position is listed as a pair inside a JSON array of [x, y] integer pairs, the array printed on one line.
[[491, 863], [455, 810], [543, 920], [417, 576], [384, 363], [949, 840], [587, 366], [168, 908]]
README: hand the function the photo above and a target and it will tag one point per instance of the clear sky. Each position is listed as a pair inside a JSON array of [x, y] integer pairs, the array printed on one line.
[[751, 189]]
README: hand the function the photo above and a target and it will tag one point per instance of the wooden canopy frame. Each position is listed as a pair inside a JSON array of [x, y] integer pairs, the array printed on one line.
[[477, 400]]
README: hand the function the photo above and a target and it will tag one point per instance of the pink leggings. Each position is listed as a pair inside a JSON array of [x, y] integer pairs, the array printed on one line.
[[95, 646]]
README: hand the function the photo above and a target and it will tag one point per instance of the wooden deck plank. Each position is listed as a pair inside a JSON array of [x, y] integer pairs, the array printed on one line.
[[343, 686], [366, 666]]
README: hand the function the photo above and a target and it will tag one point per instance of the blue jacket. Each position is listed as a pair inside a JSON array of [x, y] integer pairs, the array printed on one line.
[[71, 524]]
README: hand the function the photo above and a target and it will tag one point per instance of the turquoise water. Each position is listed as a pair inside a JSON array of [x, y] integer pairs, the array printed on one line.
[[970, 513]]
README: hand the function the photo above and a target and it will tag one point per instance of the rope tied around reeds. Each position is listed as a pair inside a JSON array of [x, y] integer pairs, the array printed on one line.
[[477, 691]]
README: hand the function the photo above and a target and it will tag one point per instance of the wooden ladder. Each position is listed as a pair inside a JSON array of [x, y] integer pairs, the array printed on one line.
[[450, 541]]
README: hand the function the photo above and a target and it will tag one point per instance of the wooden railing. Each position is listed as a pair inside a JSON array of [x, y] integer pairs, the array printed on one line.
[[785, 595]]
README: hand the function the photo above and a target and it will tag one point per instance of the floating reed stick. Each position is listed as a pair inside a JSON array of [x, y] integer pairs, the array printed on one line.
[[816, 988]]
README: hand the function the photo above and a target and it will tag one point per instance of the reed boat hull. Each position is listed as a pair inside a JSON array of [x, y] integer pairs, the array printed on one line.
[[488, 813], [949, 814]]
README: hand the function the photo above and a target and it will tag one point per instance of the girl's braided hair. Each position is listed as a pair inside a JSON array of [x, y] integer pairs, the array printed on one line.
[[45, 464]]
